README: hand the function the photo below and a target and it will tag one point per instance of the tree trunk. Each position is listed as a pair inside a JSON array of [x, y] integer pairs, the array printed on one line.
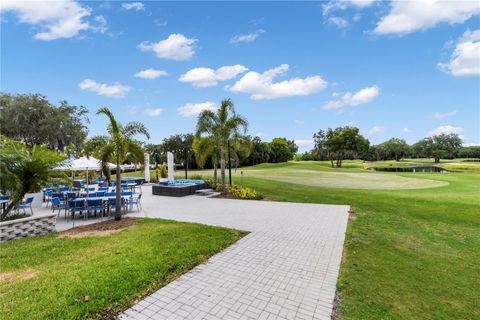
[[12, 204], [437, 160], [222, 170], [215, 177], [118, 191]]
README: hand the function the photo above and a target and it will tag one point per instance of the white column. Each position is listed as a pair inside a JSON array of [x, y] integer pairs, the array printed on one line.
[[147, 167], [170, 165]]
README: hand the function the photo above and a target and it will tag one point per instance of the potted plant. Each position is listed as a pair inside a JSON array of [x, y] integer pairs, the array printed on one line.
[[163, 173]]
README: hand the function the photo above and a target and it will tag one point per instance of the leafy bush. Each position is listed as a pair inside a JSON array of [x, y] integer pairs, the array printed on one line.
[[163, 171], [240, 192], [245, 193]]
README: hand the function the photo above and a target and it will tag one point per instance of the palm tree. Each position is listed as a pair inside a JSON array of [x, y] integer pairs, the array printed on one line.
[[204, 147], [221, 126], [24, 169], [118, 146]]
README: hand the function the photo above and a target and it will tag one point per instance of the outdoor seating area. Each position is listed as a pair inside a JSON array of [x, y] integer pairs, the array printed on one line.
[[91, 200]]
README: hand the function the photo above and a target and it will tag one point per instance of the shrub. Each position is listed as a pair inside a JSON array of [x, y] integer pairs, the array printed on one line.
[[240, 192], [163, 171]]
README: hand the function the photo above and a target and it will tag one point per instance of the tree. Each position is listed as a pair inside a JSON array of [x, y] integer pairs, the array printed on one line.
[[223, 125], [469, 152], [393, 149], [438, 146], [259, 153], [181, 146], [281, 150], [205, 147], [340, 143], [24, 169], [32, 119], [118, 146]]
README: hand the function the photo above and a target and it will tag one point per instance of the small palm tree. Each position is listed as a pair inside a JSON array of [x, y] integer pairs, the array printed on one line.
[[24, 169], [204, 147], [221, 126], [118, 146]]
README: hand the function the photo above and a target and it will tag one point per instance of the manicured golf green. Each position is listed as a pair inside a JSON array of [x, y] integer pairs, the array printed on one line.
[[53, 277], [409, 254]]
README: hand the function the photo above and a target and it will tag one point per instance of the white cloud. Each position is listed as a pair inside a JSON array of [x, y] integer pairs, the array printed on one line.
[[362, 96], [338, 22], [133, 6], [261, 86], [298, 122], [150, 74], [115, 90], [407, 16], [55, 19], [304, 142], [247, 37], [344, 4], [375, 130], [194, 109], [465, 59], [443, 115], [153, 112], [175, 47], [206, 77], [407, 130], [447, 130]]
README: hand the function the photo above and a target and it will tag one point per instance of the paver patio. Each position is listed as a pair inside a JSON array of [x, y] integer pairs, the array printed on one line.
[[285, 268]]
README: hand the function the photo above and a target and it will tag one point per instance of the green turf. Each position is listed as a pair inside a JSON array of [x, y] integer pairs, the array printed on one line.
[[112, 270], [409, 254]]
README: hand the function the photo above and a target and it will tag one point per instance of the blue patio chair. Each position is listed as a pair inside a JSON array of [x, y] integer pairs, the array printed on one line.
[[92, 195], [25, 205], [135, 201], [71, 195], [90, 189], [63, 188], [127, 194], [4, 197], [101, 194], [77, 206], [112, 205], [48, 194], [59, 195], [58, 204], [105, 189], [95, 205], [110, 194]]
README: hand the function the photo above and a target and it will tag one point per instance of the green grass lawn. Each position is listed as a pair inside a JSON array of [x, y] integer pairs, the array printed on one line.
[[409, 254], [51, 275]]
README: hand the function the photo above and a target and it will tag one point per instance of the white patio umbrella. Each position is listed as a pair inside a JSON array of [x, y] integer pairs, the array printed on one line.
[[83, 164]]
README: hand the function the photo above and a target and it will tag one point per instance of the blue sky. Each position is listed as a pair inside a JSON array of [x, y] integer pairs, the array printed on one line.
[[394, 69]]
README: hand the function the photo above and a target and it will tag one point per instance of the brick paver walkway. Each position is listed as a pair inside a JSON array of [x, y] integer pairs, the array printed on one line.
[[286, 268]]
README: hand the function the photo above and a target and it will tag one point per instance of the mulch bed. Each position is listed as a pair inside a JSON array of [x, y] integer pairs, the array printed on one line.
[[107, 225]]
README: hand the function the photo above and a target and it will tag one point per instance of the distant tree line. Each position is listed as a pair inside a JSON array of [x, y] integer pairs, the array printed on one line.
[[32, 119], [343, 143]]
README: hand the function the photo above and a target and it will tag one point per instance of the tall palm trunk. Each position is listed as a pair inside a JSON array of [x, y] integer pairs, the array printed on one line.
[[222, 170], [118, 196], [215, 175]]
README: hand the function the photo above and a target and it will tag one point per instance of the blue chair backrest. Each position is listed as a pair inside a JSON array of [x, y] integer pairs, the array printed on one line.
[[4, 197], [110, 194], [76, 204], [83, 195], [56, 201], [124, 185], [63, 189], [127, 193], [103, 189], [112, 202], [29, 200], [90, 189], [101, 194], [94, 203], [71, 195], [92, 195], [49, 192], [58, 195]]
